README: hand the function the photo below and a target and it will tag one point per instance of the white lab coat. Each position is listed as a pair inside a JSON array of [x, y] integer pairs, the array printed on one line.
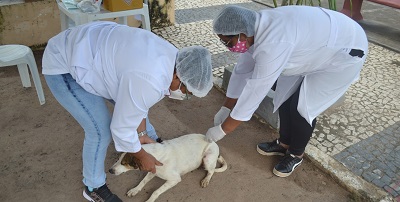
[[298, 45], [131, 66]]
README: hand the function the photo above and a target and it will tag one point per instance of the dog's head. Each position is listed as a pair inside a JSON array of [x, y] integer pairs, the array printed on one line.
[[125, 163]]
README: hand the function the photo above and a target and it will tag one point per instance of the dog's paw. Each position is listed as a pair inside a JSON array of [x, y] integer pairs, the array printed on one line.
[[132, 192], [205, 182]]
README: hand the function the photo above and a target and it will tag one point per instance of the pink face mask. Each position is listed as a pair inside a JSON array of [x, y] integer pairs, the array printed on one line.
[[240, 46]]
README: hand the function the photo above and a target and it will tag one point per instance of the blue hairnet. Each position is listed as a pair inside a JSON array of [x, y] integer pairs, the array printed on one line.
[[233, 20], [193, 68]]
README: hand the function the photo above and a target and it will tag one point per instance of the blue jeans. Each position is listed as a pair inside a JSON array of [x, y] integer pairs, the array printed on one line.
[[92, 114]]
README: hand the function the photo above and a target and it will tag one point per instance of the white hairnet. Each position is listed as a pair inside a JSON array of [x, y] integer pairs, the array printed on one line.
[[193, 68], [233, 20]]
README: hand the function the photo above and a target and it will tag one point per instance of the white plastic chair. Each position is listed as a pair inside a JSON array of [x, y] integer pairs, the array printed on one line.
[[78, 17], [22, 56]]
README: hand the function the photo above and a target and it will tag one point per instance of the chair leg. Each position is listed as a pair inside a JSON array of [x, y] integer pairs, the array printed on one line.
[[123, 20], [36, 78], [24, 74], [146, 20]]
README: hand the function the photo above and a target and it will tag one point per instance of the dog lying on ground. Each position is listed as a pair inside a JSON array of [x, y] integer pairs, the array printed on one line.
[[179, 156]]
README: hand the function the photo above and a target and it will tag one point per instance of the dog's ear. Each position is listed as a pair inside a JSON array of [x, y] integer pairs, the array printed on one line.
[[129, 160]]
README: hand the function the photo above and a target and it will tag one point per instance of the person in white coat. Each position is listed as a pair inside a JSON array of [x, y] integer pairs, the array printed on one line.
[[134, 69], [311, 54]]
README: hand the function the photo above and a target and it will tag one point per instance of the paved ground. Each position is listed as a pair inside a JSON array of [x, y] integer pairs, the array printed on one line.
[[41, 154], [363, 134], [357, 143]]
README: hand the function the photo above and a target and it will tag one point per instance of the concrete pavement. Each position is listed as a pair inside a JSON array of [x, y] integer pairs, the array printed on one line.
[[358, 143]]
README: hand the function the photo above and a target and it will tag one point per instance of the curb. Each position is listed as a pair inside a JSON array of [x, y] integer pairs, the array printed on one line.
[[352, 182], [381, 34]]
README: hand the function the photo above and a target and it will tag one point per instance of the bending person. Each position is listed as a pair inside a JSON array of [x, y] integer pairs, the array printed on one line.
[[134, 68], [312, 54]]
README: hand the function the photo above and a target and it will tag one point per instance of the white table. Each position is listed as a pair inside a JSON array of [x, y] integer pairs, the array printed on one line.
[[78, 17]]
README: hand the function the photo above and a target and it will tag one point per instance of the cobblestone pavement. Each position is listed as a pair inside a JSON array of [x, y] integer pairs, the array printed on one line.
[[363, 133]]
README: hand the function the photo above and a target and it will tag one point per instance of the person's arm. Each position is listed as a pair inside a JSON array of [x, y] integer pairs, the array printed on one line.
[[242, 71], [143, 137], [240, 74], [230, 125], [142, 126], [225, 110], [265, 72], [221, 130], [270, 62], [131, 108], [230, 102]]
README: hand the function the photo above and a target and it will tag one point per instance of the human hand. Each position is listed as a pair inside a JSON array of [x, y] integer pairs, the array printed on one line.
[[215, 133], [145, 139], [145, 161], [221, 115]]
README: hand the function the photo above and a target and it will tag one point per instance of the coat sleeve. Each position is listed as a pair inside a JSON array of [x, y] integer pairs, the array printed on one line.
[[135, 96], [242, 71], [269, 64]]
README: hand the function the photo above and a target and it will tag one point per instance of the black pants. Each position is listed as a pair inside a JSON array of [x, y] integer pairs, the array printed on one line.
[[294, 131]]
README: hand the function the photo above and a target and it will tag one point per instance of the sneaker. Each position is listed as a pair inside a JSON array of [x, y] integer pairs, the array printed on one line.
[[271, 148], [287, 165], [101, 194]]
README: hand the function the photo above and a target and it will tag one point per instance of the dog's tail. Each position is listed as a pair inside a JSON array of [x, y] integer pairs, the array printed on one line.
[[224, 166]]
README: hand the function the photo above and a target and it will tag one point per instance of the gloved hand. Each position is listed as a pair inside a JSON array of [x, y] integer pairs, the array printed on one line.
[[221, 115], [215, 133]]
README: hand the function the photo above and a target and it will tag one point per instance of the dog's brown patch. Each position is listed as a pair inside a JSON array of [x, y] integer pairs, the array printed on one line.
[[130, 161]]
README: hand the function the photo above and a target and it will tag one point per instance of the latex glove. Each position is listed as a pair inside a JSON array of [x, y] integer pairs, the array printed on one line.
[[215, 133], [221, 115]]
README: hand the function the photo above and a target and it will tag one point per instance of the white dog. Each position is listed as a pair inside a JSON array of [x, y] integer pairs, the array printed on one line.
[[179, 156]]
